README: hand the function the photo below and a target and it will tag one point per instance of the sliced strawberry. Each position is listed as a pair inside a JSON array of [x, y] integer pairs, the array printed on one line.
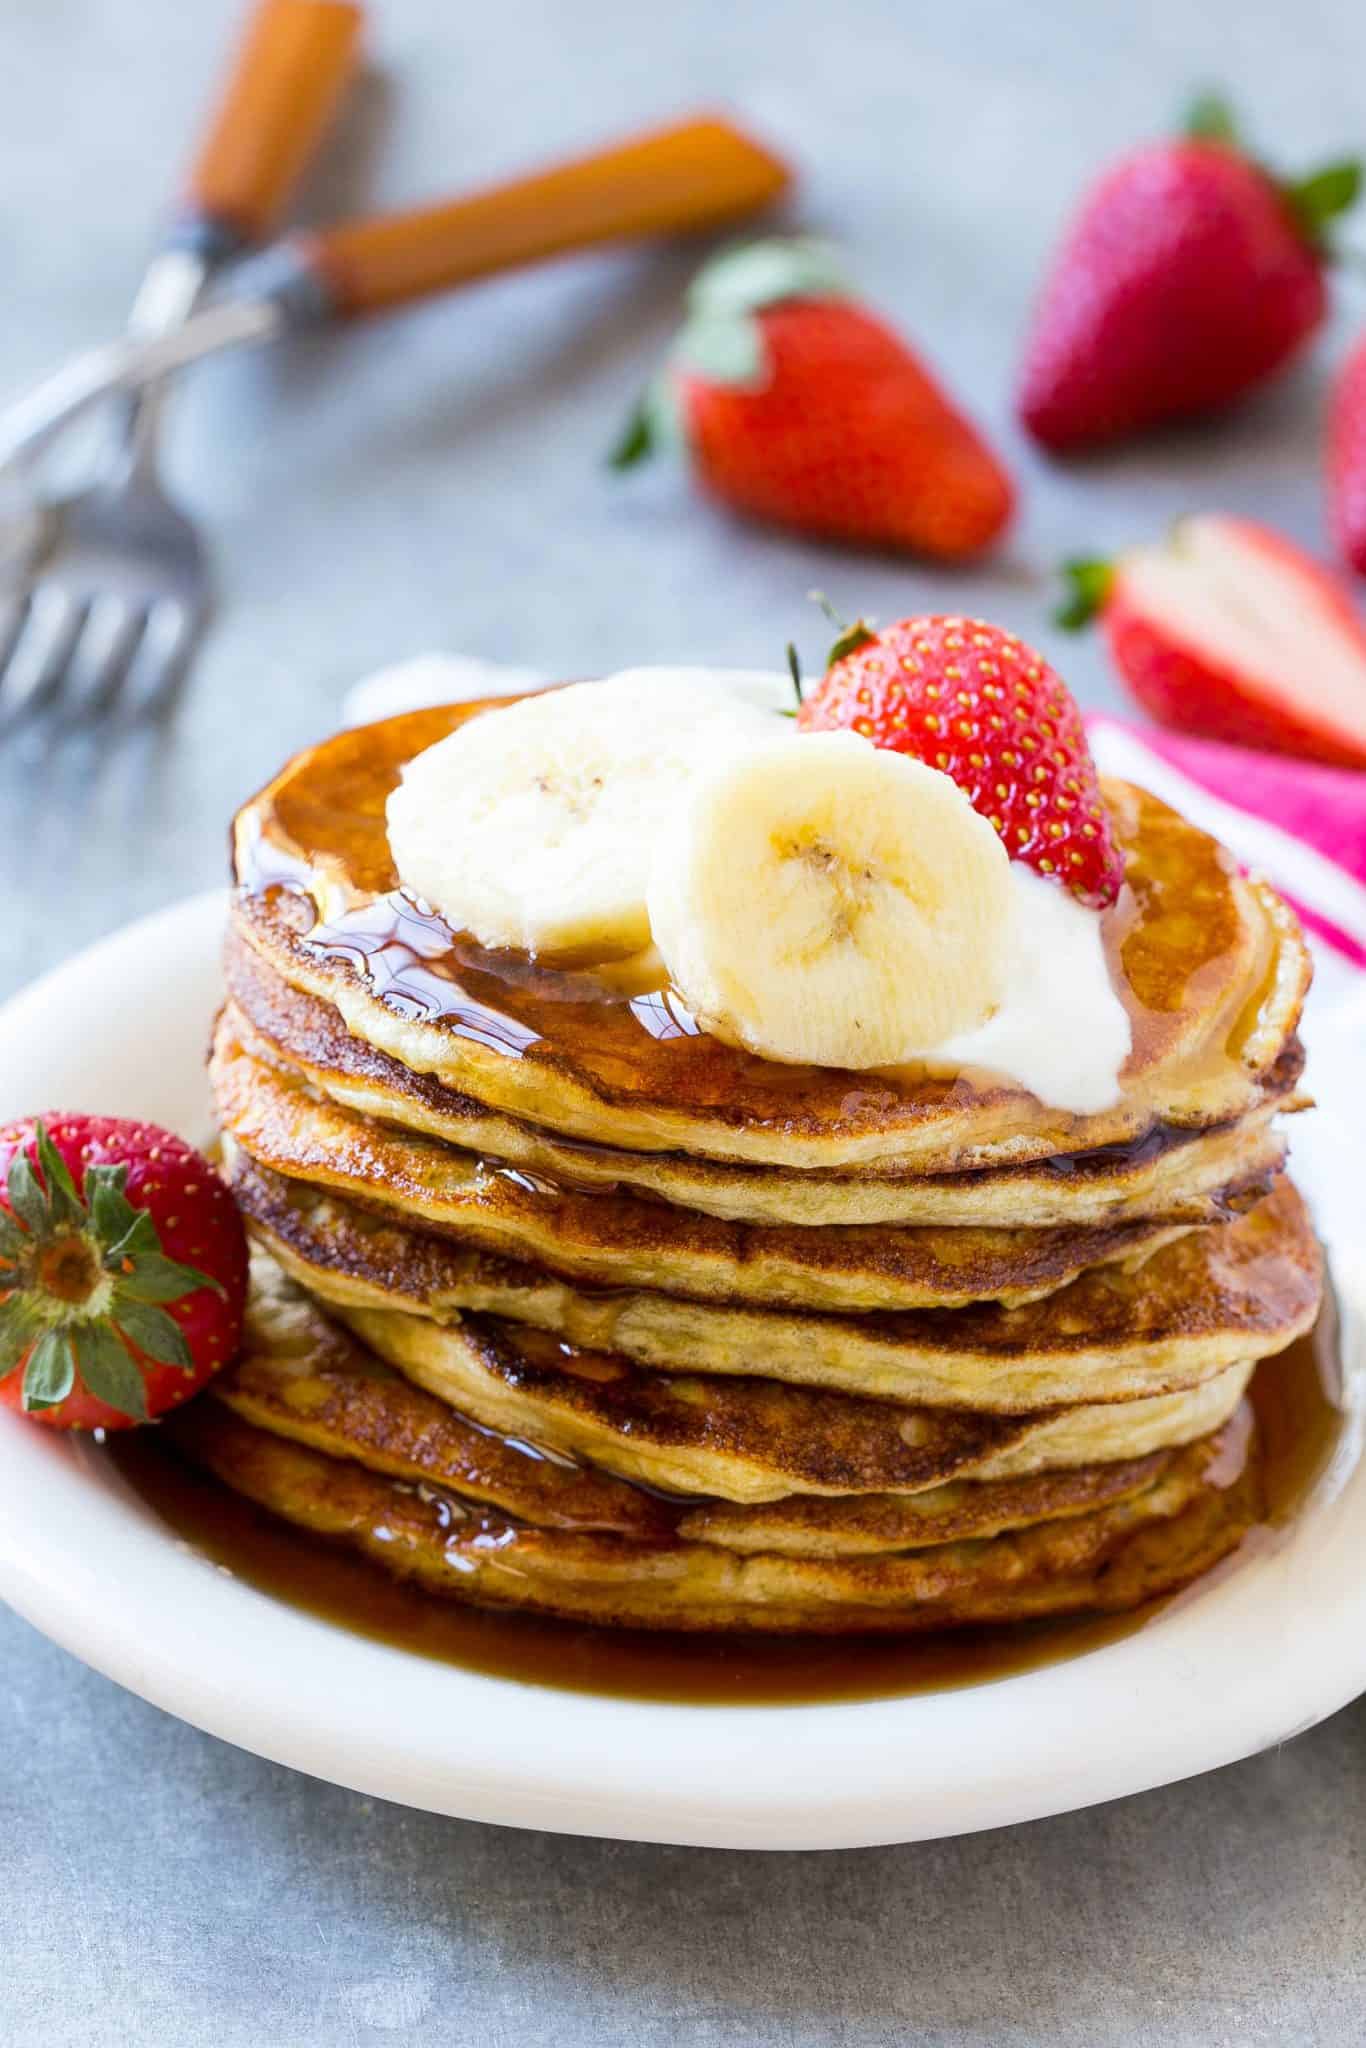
[[983, 707], [123, 1268], [1229, 631], [800, 407]]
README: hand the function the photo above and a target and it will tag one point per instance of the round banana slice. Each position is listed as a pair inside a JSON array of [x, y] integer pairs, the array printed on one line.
[[822, 900], [533, 826]]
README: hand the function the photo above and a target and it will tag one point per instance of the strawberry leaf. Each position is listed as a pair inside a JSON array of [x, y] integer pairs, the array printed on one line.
[[153, 1333], [653, 428], [637, 440], [722, 347], [751, 275], [62, 1197], [16, 1334], [107, 1370], [794, 669], [50, 1373], [1323, 195], [25, 1195], [1088, 581], [156, 1279], [13, 1241], [849, 642], [120, 1227], [849, 638]]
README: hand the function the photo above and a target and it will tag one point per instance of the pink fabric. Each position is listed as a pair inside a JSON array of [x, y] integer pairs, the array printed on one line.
[[1323, 807]]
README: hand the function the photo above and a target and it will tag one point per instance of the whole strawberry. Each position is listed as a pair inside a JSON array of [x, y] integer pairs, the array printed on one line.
[[1190, 275], [982, 706], [800, 407], [123, 1266], [1226, 630], [1347, 459]]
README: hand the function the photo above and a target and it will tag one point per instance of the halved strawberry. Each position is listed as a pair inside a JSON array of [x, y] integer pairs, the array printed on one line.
[[123, 1266], [977, 703], [1229, 631]]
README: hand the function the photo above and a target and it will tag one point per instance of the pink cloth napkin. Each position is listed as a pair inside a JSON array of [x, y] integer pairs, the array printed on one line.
[[1302, 825]]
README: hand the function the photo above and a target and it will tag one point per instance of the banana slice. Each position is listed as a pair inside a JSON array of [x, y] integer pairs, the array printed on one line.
[[823, 900], [534, 826]]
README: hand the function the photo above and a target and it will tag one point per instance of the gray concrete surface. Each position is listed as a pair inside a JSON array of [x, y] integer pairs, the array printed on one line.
[[438, 480]]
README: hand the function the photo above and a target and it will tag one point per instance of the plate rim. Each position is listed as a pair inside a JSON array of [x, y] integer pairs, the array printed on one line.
[[1119, 1719]]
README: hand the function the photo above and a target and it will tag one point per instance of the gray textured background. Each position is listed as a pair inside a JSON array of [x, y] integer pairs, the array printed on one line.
[[438, 480]]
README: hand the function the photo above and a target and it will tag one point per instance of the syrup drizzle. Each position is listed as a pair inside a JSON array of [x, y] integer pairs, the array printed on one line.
[[317, 835]]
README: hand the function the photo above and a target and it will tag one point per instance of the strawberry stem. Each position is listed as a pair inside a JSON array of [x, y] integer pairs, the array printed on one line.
[[1089, 581], [850, 638], [1209, 118]]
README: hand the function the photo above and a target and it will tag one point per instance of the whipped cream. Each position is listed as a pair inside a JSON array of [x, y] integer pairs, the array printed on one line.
[[1060, 1030]]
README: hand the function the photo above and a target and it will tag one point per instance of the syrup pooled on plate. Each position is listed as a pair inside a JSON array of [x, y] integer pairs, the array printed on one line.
[[1295, 1399]]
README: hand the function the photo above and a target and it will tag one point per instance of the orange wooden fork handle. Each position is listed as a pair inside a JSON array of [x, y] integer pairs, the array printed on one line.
[[291, 68], [696, 175]]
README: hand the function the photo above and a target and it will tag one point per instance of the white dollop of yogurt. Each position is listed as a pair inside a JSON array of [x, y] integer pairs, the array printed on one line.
[[1060, 1030]]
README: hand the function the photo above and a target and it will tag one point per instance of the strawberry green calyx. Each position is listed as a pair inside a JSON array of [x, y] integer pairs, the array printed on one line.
[[849, 638], [751, 275], [721, 342], [83, 1284], [1315, 200], [1089, 581], [1318, 199], [1209, 118]]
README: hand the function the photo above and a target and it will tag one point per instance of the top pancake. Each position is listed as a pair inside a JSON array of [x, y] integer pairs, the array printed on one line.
[[1170, 1175], [1210, 966]]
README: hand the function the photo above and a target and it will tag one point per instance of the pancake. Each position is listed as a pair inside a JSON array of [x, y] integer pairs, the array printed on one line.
[[758, 1439], [1210, 965], [963, 1510], [1187, 1312], [1169, 1175], [301, 1376], [1113, 1558], [621, 1240]]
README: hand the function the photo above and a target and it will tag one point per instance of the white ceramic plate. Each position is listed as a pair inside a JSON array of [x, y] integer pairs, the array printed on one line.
[[1269, 1649]]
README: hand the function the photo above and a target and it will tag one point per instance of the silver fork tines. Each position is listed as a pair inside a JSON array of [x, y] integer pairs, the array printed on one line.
[[116, 602], [101, 608]]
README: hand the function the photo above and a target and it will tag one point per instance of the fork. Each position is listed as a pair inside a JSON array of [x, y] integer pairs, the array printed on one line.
[[110, 590]]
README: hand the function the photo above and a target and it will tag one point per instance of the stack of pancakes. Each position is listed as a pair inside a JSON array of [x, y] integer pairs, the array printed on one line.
[[563, 1305]]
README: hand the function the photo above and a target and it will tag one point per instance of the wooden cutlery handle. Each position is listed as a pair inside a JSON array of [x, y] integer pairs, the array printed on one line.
[[693, 176], [291, 68]]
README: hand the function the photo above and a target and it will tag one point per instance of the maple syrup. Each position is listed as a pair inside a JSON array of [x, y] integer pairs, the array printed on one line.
[[312, 850], [1296, 1400]]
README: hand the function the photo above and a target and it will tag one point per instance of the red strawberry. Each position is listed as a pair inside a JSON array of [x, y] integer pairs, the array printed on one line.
[[1189, 275], [1347, 459], [123, 1271], [800, 407], [979, 704], [1229, 631]]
